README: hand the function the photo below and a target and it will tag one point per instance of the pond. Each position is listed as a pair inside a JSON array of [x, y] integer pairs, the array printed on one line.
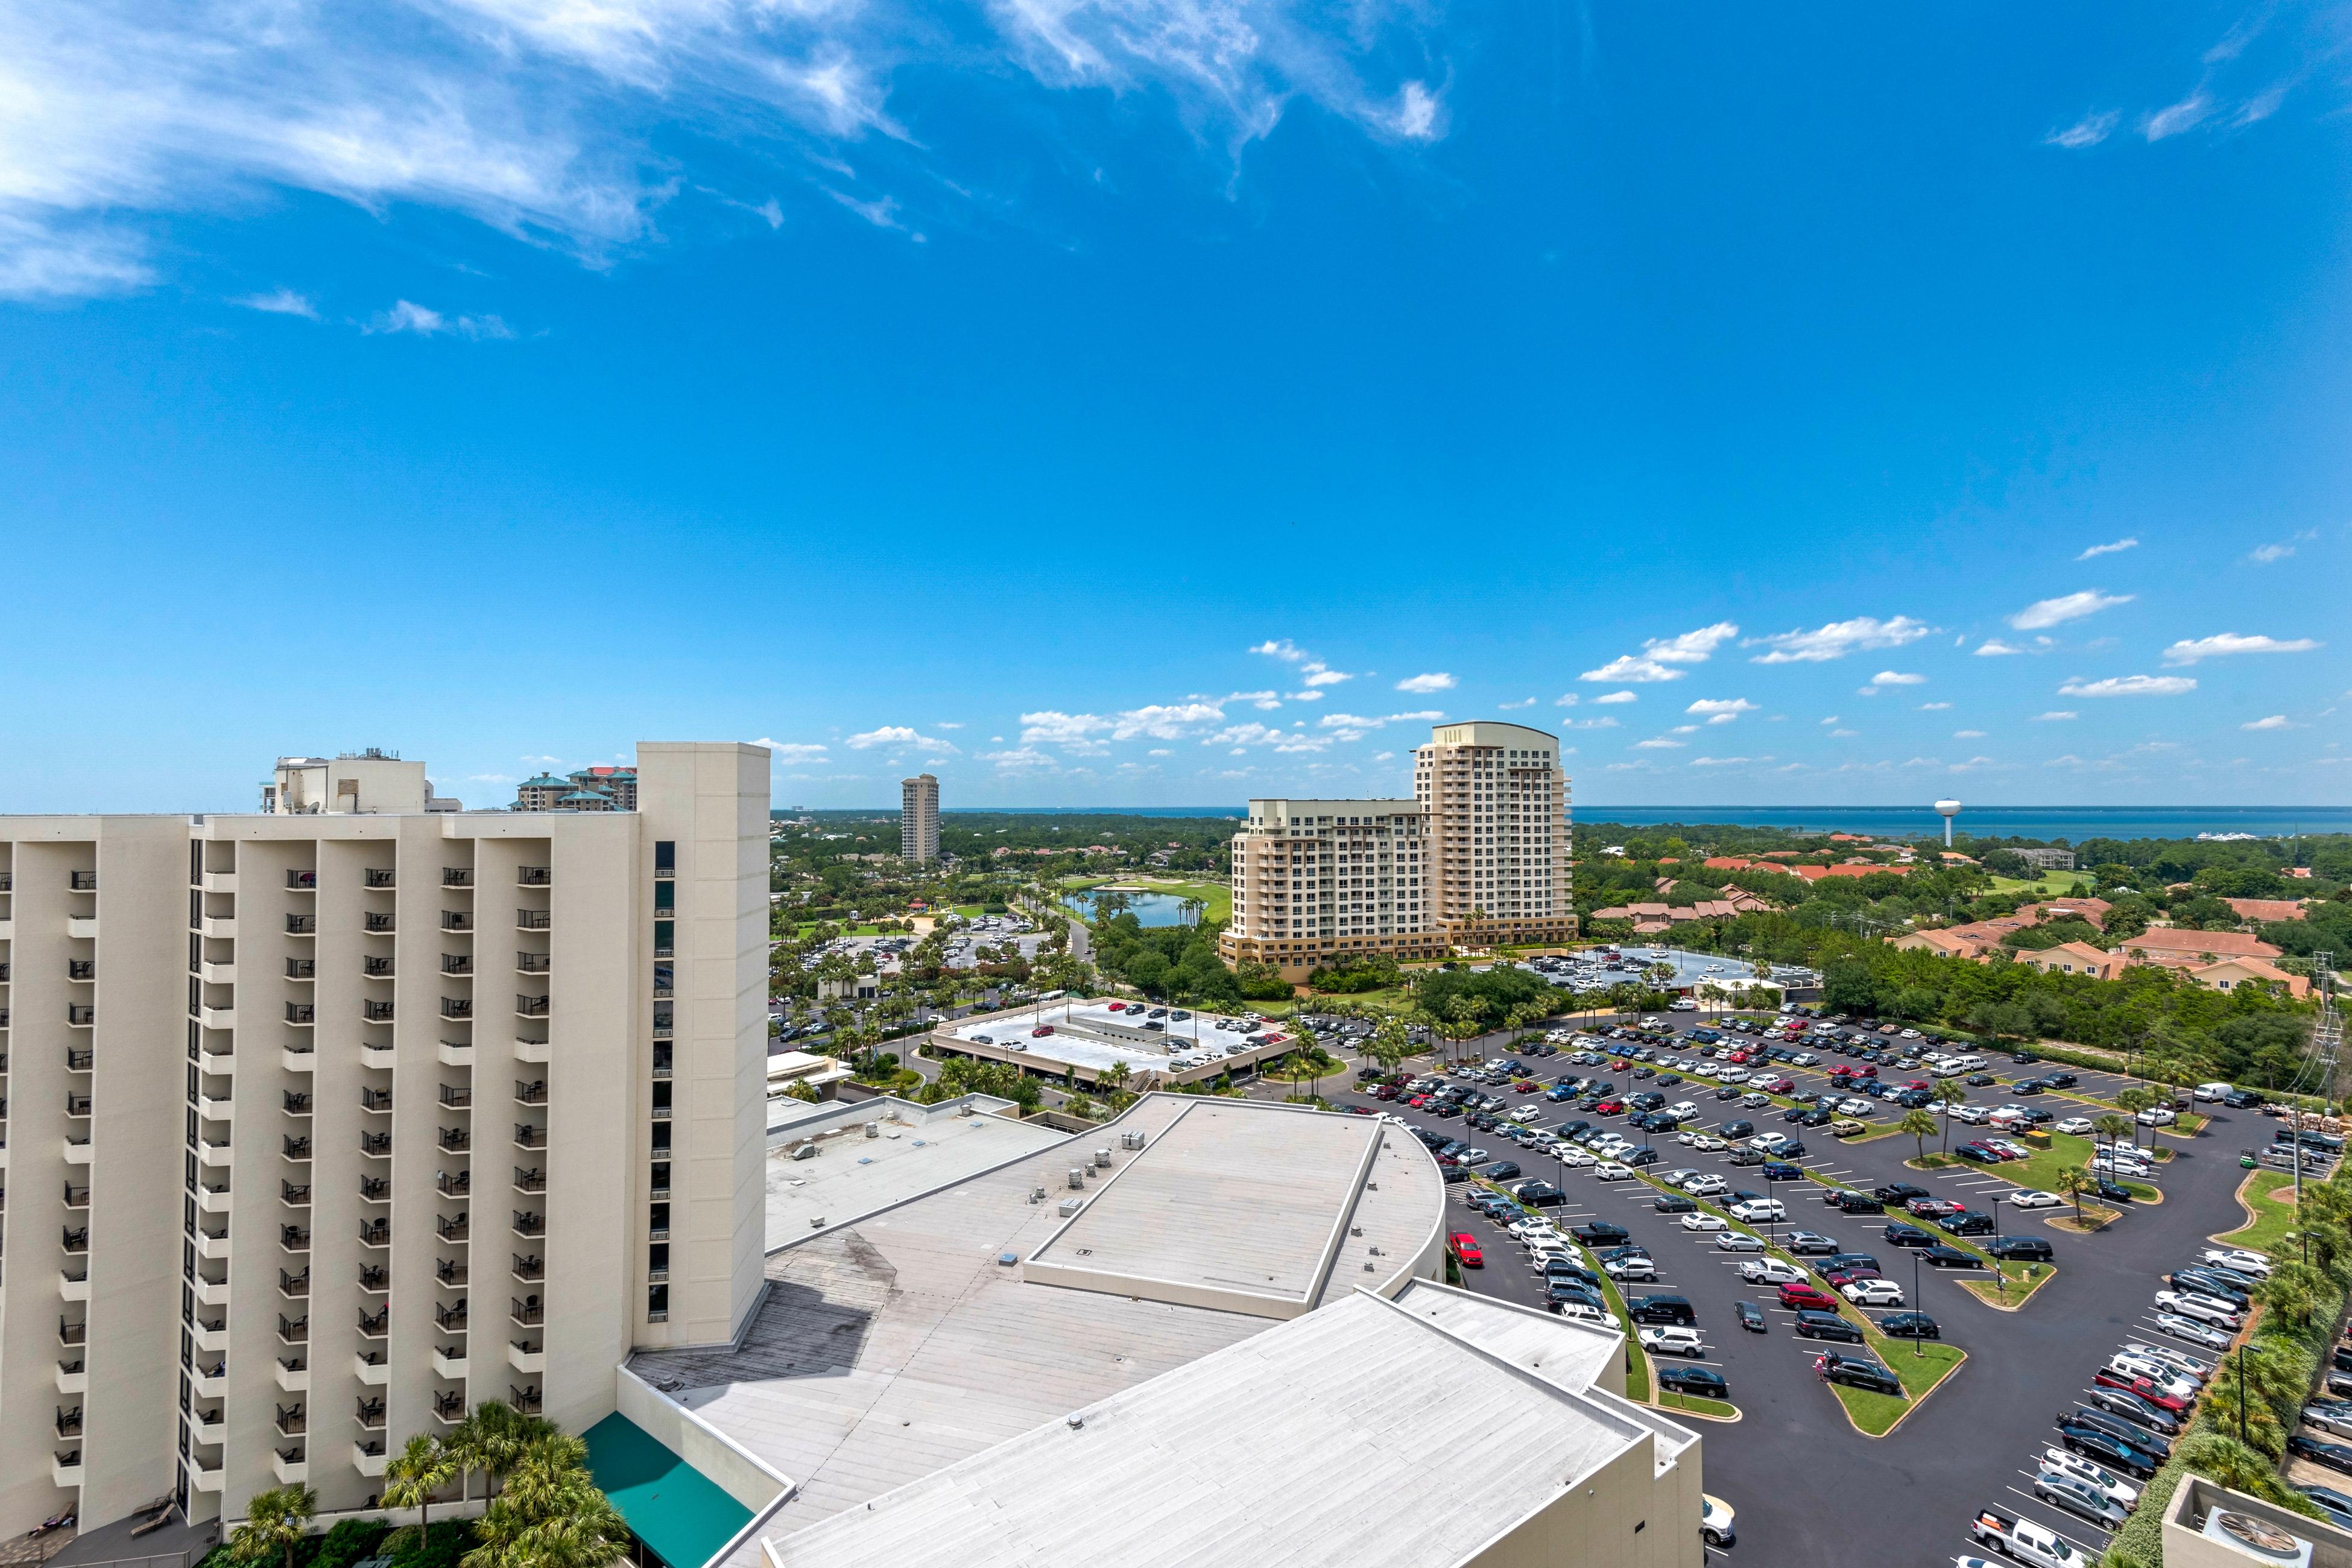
[[1148, 909]]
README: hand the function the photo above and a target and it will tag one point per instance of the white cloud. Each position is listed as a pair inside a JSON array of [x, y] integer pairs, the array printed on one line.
[[1616, 697], [1968, 734], [1730, 707], [1021, 759], [1993, 648], [2055, 716], [2129, 686], [489, 778], [1437, 680], [1313, 671], [1831, 720], [1057, 727], [794, 751], [1604, 722], [1659, 743], [1318, 676], [1355, 726], [2275, 722], [1567, 700], [1723, 719], [2266, 554], [2087, 132], [1684, 730], [1419, 115], [1522, 702], [1259, 699], [2221, 645], [280, 302], [1166, 722], [1933, 707], [1837, 639], [1239, 737], [1721, 761], [2044, 613], [896, 735], [2260, 106], [1661, 657], [947, 724], [406, 316], [2174, 119], [1885, 678], [2114, 548], [1843, 735]]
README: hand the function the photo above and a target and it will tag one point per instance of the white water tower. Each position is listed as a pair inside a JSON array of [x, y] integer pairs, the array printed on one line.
[[1948, 809]]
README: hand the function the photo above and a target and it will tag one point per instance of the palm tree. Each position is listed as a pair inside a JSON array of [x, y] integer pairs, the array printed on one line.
[[2131, 1103], [2111, 1127], [2292, 1292], [2074, 1181], [552, 1515], [413, 1475], [1949, 1093], [493, 1437], [1919, 1124], [275, 1521], [1389, 1045]]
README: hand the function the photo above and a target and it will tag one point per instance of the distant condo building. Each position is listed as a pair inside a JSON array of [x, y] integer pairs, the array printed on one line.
[[588, 789], [334, 1122], [1478, 858], [919, 818]]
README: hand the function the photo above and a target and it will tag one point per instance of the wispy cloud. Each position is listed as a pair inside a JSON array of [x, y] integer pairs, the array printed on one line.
[[2275, 722], [1837, 639], [2088, 131], [896, 735], [1355, 726], [796, 752], [279, 302], [1886, 677], [1664, 659], [1522, 703], [2130, 686], [1968, 734], [1313, 671], [2045, 613], [1659, 743], [2223, 645], [2174, 119], [2056, 715], [2265, 554], [1616, 697], [1722, 707], [407, 316], [1993, 648], [1436, 680], [2115, 547], [1933, 707]]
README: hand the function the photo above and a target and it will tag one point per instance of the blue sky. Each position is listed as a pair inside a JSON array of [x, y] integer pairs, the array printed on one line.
[[1162, 401]]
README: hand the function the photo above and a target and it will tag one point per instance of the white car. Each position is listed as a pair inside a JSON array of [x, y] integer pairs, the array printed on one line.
[[1532, 1226], [1707, 1186], [1708, 1143], [1974, 1115], [1575, 1159], [2244, 1262], [2176, 1384], [1718, 1526], [1803, 1059], [1686, 1137], [1771, 1272], [2208, 1309], [1856, 1106], [2195, 1332], [2034, 1198], [2158, 1116], [1704, 1221], [2076, 1126], [1738, 1241], [1735, 1075], [1755, 1211], [1611, 1171], [1673, 1342], [2009, 1147], [1525, 1113], [2178, 1360], [2057, 1460], [1874, 1293], [1682, 1110], [1637, 1269], [1585, 1312]]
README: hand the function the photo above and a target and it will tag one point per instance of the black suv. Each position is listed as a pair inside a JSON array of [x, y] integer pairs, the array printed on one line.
[[2022, 1249], [1853, 1203], [1827, 1326], [1909, 1326], [1901, 1235], [1655, 1310], [1855, 1372], [1968, 1222], [1599, 1233], [1939, 1255], [1899, 1193]]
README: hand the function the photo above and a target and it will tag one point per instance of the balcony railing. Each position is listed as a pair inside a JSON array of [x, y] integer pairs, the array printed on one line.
[[532, 1093], [72, 1333], [376, 1012], [301, 925], [375, 1233], [526, 1310], [456, 876], [533, 877], [378, 1144], [70, 1422], [375, 1099], [375, 1189], [456, 1098], [301, 1012], [375, 1325], [455, 1184], [81, 969], [375, 877], [452, 1229], [455, 1140], [81, 881], [80, 1058], [376, 925], [78, 1104], [529, 1137], [301, 882], [456, 921], [294, 1331], [531, 1268], [529, 1224], [531, 919], [524, 1400], [297, 1102], [298, 1197], [660, 1112], [78, 1239], [290, 1421], [532, 1007], [452, 1319], [661, 1066], [76, 1198], [293, 1239], [450, 1406], [297, 1148], [376, 968], [294, 1284], [449, 1271], [457, 963], [533, 963], [301, 968], [457, 1007], [375, 1277], [531, 1180], [369, 1414], [78, 1015]]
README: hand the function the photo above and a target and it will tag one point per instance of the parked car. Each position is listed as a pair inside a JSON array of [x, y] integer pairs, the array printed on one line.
[[1909, 1326], [1672, 1340], [1826, 1325], [2320, 1451], [1466, 1249], [1750, 1317], [1858, 1373], [2021, 1249], [1695, 1380]]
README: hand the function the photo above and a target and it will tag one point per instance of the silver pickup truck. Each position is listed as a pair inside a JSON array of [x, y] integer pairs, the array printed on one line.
[[2026, 1542]]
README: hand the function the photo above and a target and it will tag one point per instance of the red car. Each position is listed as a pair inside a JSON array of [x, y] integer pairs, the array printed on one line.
[[1272, 1039], [1118, 1006], [1774, 1085], [1919, 1083], [1524, 1087], [1608, 1107], [1807, 1299], [1739, 1059], [1841, 1070], [1466, 1249], [1933, 1208], [1041, 1029], [2141, 1387], [1867, 1069]]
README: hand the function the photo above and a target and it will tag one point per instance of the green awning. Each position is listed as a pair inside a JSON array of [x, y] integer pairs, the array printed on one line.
[[679, 1513]]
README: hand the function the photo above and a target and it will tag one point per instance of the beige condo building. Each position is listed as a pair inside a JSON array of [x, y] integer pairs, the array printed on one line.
[[1499, 803], [919, 818], [332, 1121]]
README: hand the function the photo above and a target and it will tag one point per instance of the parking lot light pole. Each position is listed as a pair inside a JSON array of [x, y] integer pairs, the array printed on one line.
[[1917, 1350]]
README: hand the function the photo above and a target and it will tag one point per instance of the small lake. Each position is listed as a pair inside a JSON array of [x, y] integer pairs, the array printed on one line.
[[1148, 909]]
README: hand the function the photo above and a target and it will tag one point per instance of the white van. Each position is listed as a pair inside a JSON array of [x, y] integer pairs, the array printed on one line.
[[2212, 1091]]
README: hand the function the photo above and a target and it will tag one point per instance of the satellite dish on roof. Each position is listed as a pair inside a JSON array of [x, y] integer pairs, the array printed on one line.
[[1948, 809]]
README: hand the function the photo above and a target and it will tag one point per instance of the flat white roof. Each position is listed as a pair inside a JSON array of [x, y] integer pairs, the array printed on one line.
[[915, 1150], [1094, 1034]]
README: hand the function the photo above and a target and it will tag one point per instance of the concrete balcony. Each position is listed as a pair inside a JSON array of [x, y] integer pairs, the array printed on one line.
[[204, 1478], [78, 1152], [81, 925], [217, 1018], [290, 1472], [212, 1152], [212, 1294], [377, 1055], [215, 1386], [208, 1426], [448, 1366], [61, 1473], [220, 882], [454, 1055], [214, 1109], [532, 1051], [8, 929], [222, 928], [212, 1340], [73, 1286], [213, 1200], [217, 973], [374, 1373], [211, 1246], [293, 1060], [72, 1382], [219, 1063], [293, 1379], [365, 1462], [523, 1360]]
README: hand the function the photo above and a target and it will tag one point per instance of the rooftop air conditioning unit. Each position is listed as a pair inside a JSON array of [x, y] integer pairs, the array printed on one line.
[[1102, 1159], [2256, 1539], [1077, 1176], [1072, 1205], [804, 1151]]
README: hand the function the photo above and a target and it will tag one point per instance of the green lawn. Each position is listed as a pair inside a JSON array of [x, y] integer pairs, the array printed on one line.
[[1670, 1400], [1919, 1364], [2048, 885], [2273, 1220], [2065, 1149]]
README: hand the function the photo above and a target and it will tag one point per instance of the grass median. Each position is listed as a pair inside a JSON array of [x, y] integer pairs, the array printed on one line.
[[2269, 1196]]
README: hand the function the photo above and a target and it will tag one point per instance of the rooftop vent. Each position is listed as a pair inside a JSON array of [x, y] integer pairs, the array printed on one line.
[[1077, 1176], [2256, 1539]]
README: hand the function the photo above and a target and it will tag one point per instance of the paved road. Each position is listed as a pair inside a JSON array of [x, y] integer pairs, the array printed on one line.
[[1808, 1486]]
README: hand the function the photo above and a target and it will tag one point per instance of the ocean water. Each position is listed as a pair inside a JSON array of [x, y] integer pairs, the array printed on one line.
[[2072, 823]]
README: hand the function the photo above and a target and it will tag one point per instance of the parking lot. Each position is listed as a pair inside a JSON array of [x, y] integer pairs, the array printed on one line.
[[1808, 1486]]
